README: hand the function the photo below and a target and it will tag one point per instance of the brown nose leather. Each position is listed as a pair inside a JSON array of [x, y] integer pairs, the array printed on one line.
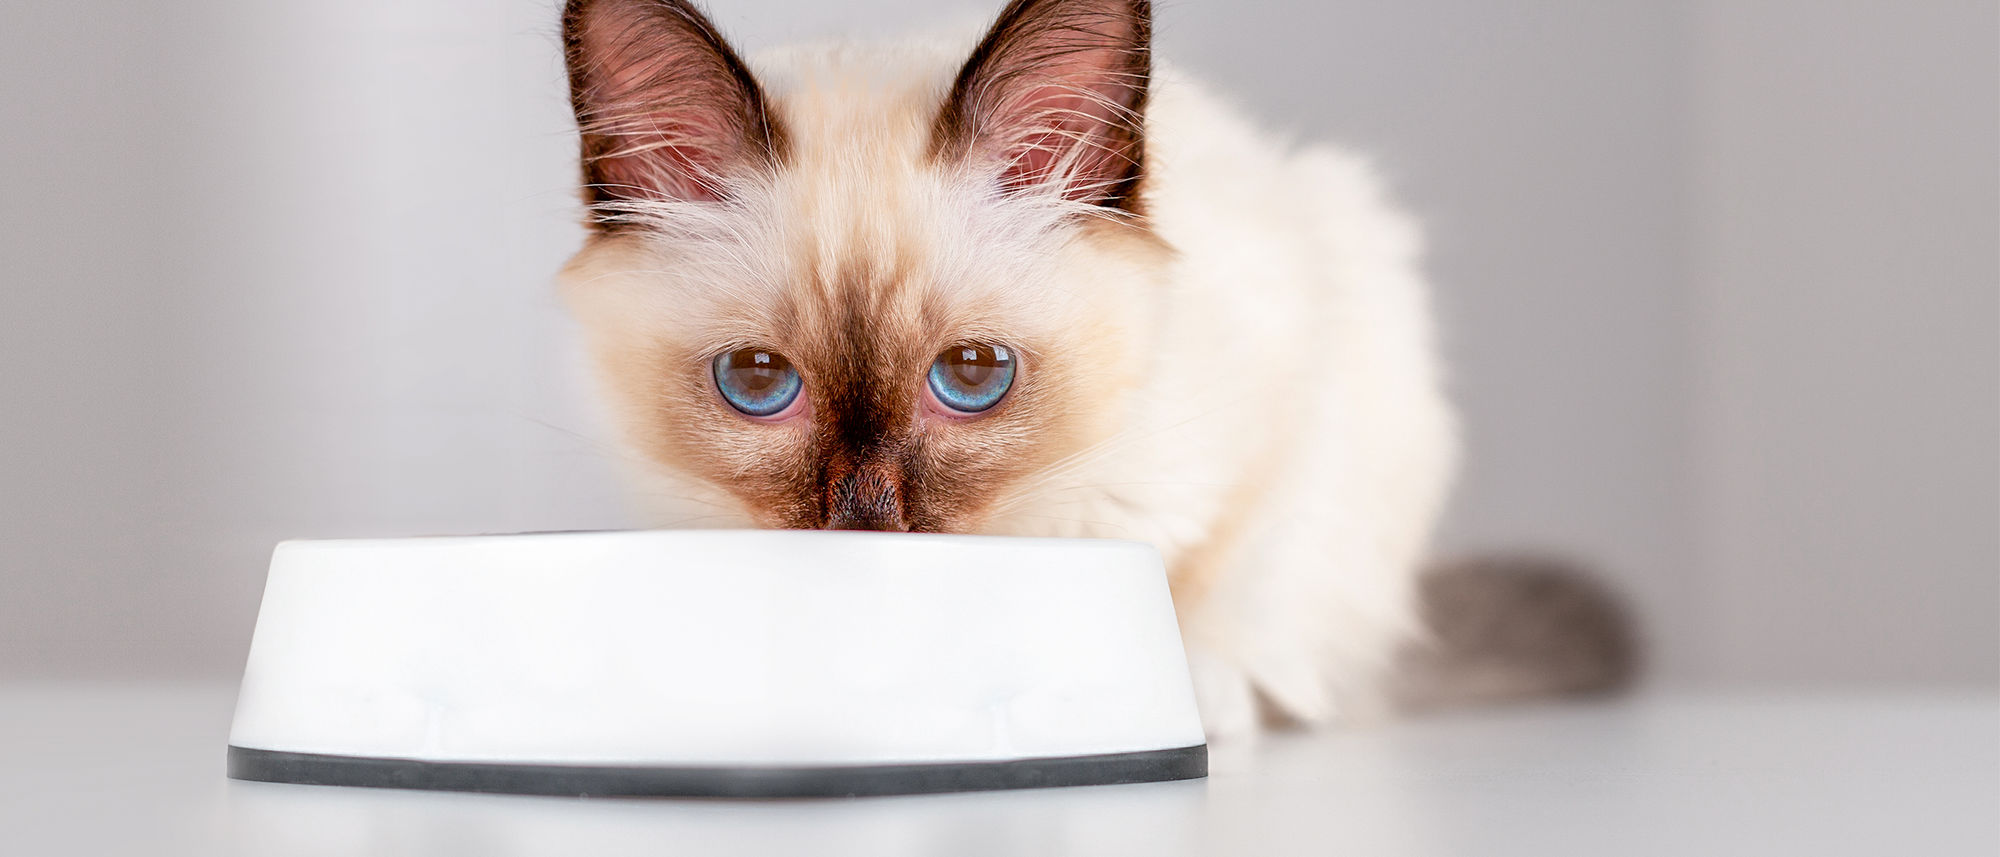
[[865, 499]]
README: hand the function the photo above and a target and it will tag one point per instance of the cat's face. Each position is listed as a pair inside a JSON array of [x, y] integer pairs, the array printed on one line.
[[863, 302]]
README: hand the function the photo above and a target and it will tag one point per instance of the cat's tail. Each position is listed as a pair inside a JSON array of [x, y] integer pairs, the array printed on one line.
[[1514, 628]]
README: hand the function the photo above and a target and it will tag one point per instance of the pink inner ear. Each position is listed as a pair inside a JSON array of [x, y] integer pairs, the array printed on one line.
[[648, 166], [664, 109], [1053, 93], [1065, 135]]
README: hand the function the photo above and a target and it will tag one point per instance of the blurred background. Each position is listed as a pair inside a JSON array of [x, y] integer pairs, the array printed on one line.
[[1720, 281]]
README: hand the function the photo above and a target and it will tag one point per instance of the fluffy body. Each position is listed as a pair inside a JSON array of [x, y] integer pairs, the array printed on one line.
[[1242, 374]]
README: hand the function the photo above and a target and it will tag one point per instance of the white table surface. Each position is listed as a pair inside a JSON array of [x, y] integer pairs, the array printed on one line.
[[137, 769]]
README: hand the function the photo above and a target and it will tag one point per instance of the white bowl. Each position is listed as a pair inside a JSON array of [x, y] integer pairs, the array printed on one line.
[[716, 663]]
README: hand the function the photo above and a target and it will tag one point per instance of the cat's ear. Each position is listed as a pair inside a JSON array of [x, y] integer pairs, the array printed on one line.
[[1053, 100], [665, 107]]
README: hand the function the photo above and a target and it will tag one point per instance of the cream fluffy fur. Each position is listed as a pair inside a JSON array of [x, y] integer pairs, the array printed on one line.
[[1265, 400]]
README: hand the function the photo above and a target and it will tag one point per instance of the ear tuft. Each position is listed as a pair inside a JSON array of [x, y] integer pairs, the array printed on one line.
[[1053, 100], [665, 107]]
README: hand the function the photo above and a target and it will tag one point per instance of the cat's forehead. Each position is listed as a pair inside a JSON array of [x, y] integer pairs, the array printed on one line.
[[833, 98], [860, 232], [901, 247], [902, 273]]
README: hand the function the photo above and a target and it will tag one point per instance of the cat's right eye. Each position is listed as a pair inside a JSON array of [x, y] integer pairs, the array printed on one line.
[[756, 381], [971, 378]]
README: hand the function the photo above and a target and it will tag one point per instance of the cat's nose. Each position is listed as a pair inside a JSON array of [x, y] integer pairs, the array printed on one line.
[[865, 499]]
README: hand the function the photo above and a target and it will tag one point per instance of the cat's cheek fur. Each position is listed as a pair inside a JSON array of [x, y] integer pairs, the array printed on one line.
[[651, 377]]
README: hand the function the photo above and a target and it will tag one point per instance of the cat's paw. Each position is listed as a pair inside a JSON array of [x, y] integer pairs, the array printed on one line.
[[1296, 693], [1224, 694]]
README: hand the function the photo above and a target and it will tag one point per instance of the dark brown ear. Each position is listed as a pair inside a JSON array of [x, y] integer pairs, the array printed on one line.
[[1053, 99], [666, 109]]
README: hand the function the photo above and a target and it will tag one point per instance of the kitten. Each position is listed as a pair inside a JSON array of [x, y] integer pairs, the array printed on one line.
[[1036, 288]]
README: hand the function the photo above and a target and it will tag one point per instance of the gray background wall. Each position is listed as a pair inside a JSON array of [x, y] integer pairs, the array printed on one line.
[[1721, 281]]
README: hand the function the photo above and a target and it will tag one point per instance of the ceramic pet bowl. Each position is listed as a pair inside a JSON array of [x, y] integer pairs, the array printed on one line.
[[716, 663]]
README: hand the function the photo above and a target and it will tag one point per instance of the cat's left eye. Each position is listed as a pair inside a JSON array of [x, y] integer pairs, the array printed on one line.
[[971, 378], [757, 382]]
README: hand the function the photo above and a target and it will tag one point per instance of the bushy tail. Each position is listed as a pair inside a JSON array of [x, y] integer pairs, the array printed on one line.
[[1515, 628]]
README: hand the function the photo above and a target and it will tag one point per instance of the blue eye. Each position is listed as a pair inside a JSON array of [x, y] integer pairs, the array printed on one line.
[[757, 382], [971, 378]]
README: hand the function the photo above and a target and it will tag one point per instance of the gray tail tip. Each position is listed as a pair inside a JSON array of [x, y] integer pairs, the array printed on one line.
[[1512, 628]]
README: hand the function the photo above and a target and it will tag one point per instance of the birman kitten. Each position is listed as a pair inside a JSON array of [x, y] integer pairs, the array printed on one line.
[[1029, 285]]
